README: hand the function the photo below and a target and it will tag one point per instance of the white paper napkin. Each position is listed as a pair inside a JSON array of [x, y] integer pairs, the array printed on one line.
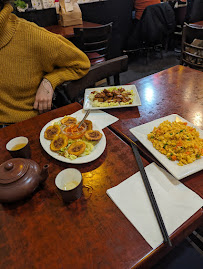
[[100, 118], [176, 203]]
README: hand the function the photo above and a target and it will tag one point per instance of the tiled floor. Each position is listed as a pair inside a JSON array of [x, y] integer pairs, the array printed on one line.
[[183, 256], [138, 68]]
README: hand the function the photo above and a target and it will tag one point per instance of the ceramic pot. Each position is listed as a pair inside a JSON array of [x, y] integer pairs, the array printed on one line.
[[19, 178]]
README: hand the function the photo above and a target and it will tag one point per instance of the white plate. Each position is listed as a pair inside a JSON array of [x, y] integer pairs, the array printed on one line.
[[179, 172], [97, 151], [88, 102]]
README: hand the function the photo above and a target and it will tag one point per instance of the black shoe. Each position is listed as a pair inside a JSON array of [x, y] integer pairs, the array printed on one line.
[[177, 50]]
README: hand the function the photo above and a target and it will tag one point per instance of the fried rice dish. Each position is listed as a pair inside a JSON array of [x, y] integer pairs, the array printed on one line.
[[178, 141]]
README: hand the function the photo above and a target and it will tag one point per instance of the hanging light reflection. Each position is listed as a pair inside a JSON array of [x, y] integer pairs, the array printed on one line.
[[149, 94], [198, 119]]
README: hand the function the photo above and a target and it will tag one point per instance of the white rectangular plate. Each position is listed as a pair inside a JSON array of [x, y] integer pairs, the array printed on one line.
[[179, 172], [88, 102]]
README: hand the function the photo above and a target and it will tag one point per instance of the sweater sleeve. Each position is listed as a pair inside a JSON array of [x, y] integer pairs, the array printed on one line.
[[70, 64]]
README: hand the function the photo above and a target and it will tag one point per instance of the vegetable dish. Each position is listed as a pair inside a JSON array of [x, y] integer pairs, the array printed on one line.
[[70, 141]]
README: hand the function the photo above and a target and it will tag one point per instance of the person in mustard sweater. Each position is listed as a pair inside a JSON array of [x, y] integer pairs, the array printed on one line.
[[33, 61]]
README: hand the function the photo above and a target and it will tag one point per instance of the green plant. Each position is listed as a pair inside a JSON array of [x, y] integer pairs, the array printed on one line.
[[19, 3]]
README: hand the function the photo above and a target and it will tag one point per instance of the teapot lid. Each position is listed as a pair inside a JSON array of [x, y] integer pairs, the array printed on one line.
[[12, 170]]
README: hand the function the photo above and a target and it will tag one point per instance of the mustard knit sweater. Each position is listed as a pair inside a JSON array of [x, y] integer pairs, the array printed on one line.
[[29, 53]]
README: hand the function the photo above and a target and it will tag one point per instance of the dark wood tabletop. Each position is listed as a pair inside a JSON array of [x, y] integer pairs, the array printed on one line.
[[68, 31], [42, 232], [177, 90], [198, 23]]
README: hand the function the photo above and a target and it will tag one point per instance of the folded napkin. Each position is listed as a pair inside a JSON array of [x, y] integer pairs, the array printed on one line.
[[176, 202], [100, 118]]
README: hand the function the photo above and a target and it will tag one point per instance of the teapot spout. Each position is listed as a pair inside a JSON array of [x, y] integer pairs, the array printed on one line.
[[44, 173]]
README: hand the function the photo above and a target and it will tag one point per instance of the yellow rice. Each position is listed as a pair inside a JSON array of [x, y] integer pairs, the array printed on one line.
[[178, 141]]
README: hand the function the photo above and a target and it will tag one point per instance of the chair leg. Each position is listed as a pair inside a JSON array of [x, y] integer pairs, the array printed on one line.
[[117, 79], [167, 42], [147, 56], [108, 81], [161, 52]]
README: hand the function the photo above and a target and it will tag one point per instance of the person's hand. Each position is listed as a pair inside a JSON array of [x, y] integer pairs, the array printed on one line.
[[43, 98]]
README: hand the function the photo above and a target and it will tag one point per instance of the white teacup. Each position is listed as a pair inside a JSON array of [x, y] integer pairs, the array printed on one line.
[[69, 184], [19, 147]]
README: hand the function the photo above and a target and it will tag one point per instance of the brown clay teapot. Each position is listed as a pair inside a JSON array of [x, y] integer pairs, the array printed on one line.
[[19, 178]]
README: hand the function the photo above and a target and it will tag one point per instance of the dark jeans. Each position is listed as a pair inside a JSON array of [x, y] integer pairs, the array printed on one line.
[[3, 125]]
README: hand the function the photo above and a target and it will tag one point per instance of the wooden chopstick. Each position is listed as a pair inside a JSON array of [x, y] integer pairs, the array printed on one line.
[[151, 195]]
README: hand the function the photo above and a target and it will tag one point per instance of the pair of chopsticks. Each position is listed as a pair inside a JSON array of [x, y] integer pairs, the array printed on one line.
[[151, 195]]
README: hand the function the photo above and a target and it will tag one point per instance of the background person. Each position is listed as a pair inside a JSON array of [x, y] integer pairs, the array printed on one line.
[[33, 62], [140, 6]]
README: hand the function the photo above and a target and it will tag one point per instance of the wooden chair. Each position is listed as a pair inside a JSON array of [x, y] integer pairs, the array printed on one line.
[[73, 91], [94, 41], [192, 46]]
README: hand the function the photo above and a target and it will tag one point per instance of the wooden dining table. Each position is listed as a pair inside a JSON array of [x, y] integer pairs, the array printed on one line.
[[68, 31], [177, 90], [198, 23], [91, 232], [43, 232]]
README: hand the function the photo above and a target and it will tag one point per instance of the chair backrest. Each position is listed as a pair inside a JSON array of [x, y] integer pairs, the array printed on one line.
[[192, 46], [94, 41], [74, 90]]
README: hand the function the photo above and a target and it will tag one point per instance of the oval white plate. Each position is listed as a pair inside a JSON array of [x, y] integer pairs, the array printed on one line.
[[97, 151]]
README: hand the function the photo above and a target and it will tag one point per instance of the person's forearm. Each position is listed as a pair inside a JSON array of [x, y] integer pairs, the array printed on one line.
[[71, 64], [60, 75]]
